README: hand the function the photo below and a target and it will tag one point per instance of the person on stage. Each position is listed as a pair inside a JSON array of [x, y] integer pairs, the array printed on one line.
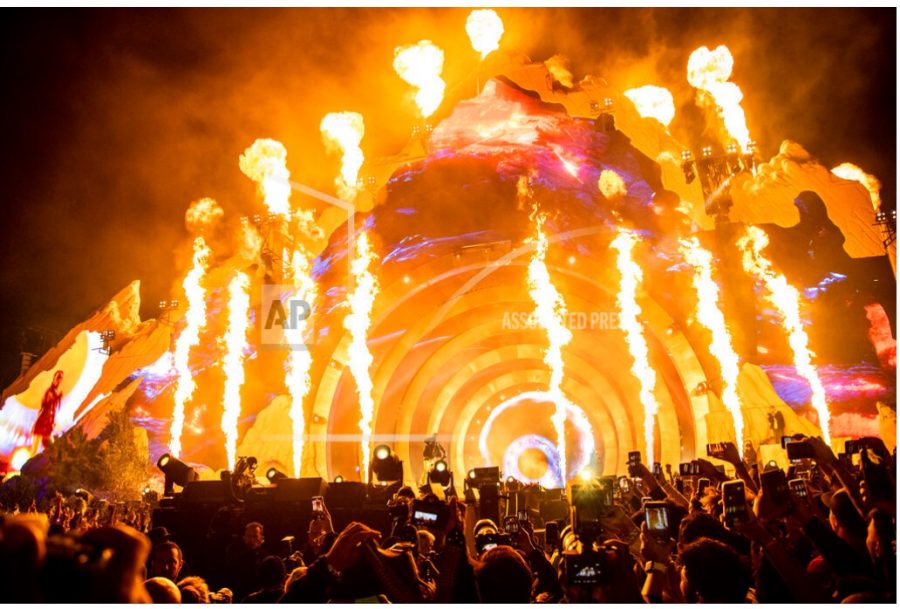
[[43, 426]]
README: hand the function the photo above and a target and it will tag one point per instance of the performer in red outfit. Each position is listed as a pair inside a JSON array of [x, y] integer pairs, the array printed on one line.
[[43, 426]]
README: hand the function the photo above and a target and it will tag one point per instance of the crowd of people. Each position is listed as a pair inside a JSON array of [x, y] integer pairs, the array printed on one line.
[[824, 530]]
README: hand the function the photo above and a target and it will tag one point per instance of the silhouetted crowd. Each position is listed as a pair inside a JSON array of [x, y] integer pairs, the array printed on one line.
[[821, 530]]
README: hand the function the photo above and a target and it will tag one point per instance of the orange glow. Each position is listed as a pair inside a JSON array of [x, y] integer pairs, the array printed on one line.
[[421, 65], [849, 171], [710, 315], [19, 457], [629, 321], [233, 362], [195, 321], [556, 65], [342, 132], [484, 28], [357, 322], [709, 71], [786, 299], [568, 163], [265, 162], [653, 102], [611, 184], [550, 313]]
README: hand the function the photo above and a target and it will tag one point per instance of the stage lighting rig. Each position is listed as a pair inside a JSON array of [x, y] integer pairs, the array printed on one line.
[[273, 475], [176, 472], [440, 474], [107, 336], [386, 466], [887, 220], [714, 170]]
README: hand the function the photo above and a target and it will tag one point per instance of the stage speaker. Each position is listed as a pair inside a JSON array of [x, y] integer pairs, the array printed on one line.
[[345, 495], [302, 489], [204, 491]]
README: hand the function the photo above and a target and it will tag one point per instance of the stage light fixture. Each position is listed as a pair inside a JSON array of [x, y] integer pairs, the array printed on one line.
[[440, 474], [586, 475], [386, 466], [732, 148], [339, 479], [607, 102], [176, 472], [274, 475]]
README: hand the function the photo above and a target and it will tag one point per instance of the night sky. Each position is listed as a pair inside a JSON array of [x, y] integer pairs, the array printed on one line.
[[115, 120]]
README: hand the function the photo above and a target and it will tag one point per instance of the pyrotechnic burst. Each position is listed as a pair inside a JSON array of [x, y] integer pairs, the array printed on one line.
[[195, 321], [710, 315], [421, 65], [709, 71], [849, 171], [556, 65], [611, 184], [299, 360], [265, 162], [233, 361], [357, 322], [786, 299], [484, 28], [653, 102], [550, 312], [342, 132], [629, 320]]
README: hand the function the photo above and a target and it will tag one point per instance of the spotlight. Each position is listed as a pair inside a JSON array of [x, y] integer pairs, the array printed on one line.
[[386, 466], [440, 473], [273, 475], [706, 152], [686, 156], [338, 479], [607, 102], [586, 475], [510, 480], [177, 472], [732, 148]]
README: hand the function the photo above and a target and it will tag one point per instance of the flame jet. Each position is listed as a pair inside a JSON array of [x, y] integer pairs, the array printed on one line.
[[233, 362], [786, 299], [485, 28], [629, 314], [357, 322], [265, 162], [299, 360], [709, 71], [195, 321], [710, 315], [653, 102], [421, 65], [550, 312], [342, 132]]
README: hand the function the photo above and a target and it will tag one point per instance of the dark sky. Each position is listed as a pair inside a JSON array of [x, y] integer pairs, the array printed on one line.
[[116, 119]]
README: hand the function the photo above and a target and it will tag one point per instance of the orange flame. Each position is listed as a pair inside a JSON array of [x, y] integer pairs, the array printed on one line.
[[629, 314], [653, 102], [19, 458], [611, 184], [342, 133], [709, 71], [849, 171], [357, 322], [202, 213], [484, 28], [195, 321], [556, 65], [299, 361], [550, 313], [710, 315], [786, 299], [421, 65], [233, 362], [265, 162]]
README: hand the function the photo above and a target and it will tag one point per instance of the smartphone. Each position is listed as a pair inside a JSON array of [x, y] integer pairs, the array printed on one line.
[[551, 535], [657, 469], [679, 484], [522, 515], [511, 524], [775, 485], [702, 485], [799, 449], [588, 569], [318, 507], [656, 516], [428, 514], [798, 489], [734, 502], [716, 450], [634, 457], [684, 469]]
